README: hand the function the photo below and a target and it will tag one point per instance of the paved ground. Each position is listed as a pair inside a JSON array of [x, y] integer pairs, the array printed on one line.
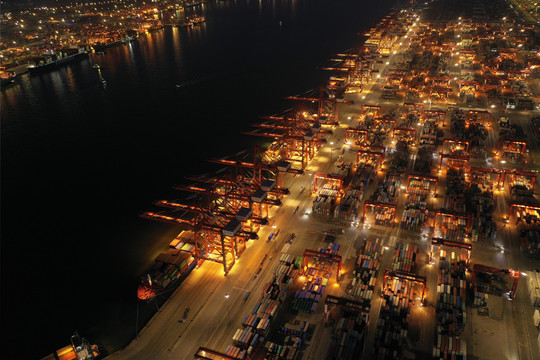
[[506, 333]]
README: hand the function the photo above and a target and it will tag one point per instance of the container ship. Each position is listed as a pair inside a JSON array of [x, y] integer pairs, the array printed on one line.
[[170, 268], [131, 37], [80, 349], [61, 57], [192, 21]]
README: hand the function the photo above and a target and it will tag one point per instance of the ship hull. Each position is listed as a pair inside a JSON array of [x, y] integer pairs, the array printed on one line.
[[57, 63], [157, 290]]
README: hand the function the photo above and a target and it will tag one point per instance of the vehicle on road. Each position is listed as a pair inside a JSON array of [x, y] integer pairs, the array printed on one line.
[[293, 235]]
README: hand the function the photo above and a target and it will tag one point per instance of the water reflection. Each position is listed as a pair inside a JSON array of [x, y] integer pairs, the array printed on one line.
[[177, 46], [114, 142], [70, 81]]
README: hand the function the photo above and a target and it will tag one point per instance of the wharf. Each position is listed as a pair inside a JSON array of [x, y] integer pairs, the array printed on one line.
[[19, 70], [217, 310]]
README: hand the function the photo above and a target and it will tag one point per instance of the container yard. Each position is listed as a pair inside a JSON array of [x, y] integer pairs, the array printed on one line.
[[420, 212]]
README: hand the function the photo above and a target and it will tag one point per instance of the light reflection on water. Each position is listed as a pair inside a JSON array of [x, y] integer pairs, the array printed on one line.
[[88, 159]]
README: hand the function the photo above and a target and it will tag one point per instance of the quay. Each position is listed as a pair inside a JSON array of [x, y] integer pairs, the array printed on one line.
[[404, 195]]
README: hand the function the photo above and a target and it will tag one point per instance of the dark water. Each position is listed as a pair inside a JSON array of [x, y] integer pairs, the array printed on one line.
[[79, 161]]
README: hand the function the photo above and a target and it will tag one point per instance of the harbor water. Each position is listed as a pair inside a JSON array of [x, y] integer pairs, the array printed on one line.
[[80, 160]]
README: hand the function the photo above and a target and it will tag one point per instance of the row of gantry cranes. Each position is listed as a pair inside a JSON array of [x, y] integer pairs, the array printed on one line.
[[234, 203], [231, 205]]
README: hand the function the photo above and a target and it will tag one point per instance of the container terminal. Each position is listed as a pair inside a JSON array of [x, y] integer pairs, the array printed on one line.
[[394, 214]]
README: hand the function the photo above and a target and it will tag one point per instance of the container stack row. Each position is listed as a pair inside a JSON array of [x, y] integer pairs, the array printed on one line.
[[453, 228], [490, 284], [289, 259], [348, 336], [400, 158], [260, 324], [450, 347], [419, 187], [527, 216], [455, 190], [413, 219], [480, 299], [332, 248], [246, 339], [521, 194], [405, 258], [341, 169], [349, 205], [236, 352], [256, 324], [392, 325], [298, 329], [382, 216], [482, 207], [362, 177], [451, 297], [365, 273], [323, 204], [289, 351], [533, 282], [307, 300], [388, 190], [415, 213], [428, 135]]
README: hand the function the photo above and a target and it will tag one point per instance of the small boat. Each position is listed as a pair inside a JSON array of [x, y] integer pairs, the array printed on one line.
[[80, 349]]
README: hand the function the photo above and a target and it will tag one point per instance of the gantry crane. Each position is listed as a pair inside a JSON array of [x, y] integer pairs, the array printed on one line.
[[467, 217], [215, 239], [519, 173], [260, 165], [428, 178], [356, 136], [356, 67], [369, 155], [478, 116], [479, 171], [439, 242], [236, 206], [505, 273], [413, 108], [437, 115], [458, 149], [531, 211], [295, 140], [327, 108], [511, 146], [404, 134], [402, 275], [463, 159], [326, 258]]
